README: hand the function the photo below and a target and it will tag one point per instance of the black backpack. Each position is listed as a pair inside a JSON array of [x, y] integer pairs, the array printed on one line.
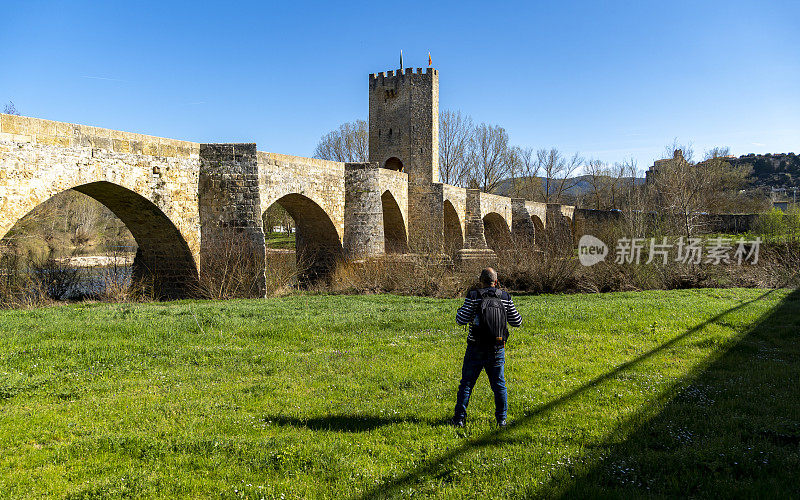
[[491, 317]]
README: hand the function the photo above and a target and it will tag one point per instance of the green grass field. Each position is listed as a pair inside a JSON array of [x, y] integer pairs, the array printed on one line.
[[281, 241], [663, 393]]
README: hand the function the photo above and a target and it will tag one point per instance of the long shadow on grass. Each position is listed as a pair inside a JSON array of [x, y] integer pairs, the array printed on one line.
[[347, 423], [428, 468], [733, 430]]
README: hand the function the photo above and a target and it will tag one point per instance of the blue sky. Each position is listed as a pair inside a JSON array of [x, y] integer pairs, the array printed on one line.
[[611, 80]]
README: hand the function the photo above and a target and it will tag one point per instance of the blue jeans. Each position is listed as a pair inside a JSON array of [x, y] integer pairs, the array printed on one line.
[[477, 358]]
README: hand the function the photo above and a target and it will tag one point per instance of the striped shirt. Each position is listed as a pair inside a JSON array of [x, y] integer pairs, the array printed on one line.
[[468, 313]]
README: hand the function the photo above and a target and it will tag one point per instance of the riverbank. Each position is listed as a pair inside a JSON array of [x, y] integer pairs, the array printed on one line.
[[97, 260]]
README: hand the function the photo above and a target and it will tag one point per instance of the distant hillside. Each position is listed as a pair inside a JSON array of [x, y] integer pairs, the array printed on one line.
[[778, 170], [581, 187], [772, 170]]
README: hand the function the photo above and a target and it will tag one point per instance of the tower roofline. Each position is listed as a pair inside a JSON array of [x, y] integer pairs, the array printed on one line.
[[402, 72]]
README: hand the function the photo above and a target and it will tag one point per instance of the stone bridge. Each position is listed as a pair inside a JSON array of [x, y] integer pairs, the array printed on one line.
[[179, 198]]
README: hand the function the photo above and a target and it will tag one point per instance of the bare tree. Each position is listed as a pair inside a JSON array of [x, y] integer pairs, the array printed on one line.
[[678, 189], [623, 178], [514, 162], [558, 173], [529, 185], [717, 152], [606, 184], [598, 176], [455, 135], [489, 157], [10, 109], [349, 143], [632, 199], [685, 149], [727, 182], [685, 189]]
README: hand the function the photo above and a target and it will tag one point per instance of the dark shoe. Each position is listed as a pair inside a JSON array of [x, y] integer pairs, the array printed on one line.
[[502, 423], [457, 422]]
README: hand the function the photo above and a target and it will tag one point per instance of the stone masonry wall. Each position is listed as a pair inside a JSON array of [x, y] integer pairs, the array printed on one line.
[[363, 211], [522, 226], [474, 237], [148, 182], [498, 204], [404, 123], [538, 212], [457, 197], [321, 181], [397, 184], [230, 208]]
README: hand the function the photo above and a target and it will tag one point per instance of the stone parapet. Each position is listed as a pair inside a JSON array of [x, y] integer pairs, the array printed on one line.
[[52, 133]]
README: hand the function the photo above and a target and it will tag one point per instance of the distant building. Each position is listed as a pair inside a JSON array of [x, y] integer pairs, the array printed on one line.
[[651, 172]]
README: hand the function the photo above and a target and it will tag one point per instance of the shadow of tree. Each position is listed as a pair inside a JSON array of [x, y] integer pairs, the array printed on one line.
[[733, 430], [347, 422], [499, 437]]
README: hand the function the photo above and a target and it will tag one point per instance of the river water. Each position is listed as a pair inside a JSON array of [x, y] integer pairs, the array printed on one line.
[[79, 282]]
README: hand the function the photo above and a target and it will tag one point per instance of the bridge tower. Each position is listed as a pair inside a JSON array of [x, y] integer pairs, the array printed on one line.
[[404, 136]]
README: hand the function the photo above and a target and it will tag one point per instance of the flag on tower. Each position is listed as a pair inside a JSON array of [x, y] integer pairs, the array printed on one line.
[[429, 58], [401, 58]]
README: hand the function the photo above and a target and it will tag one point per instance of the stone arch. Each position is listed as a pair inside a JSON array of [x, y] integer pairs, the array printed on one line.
[[317, 242], [394, 163], [394, 227], [453, 236], [496, 231], [164, 262]]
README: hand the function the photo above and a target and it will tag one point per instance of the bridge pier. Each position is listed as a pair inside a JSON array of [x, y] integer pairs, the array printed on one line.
[[475, 249], [231, 230], [425, 217], [522, 228], [559, 228], [363, 212]]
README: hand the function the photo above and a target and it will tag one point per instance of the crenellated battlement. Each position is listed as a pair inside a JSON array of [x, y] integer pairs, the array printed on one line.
[[390, 77]]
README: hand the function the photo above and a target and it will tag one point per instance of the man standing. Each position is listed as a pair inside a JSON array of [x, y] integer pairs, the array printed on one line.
[[486, 311]]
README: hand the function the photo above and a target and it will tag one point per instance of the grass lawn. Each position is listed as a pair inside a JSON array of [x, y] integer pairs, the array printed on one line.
[[280, 240], [690, 392]]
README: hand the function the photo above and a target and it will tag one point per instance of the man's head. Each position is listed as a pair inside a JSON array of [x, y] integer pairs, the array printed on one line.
[[489, 277]]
